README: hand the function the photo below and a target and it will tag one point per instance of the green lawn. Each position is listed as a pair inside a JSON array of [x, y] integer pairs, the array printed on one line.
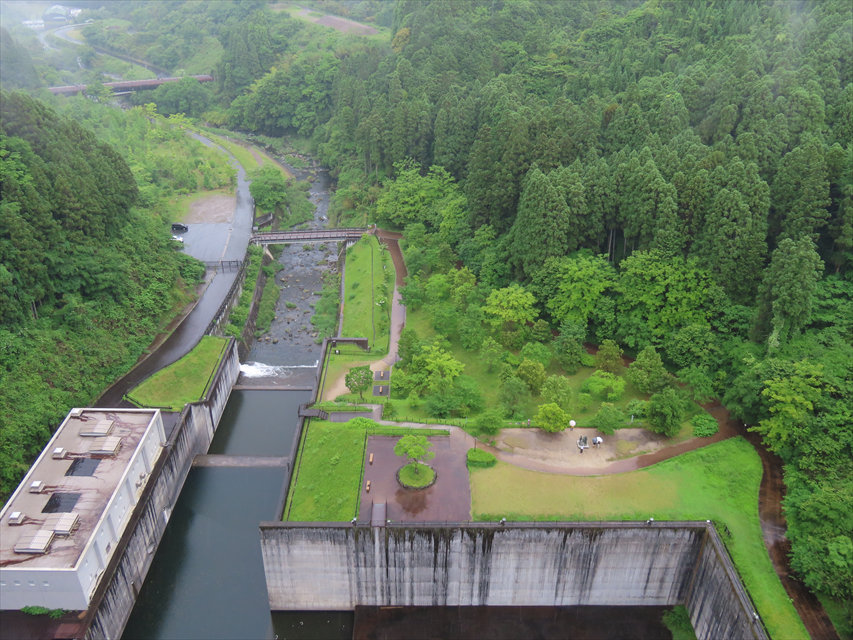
[[337, 365], [840, 612], [327, 481], [367, 309], [183, 381], [719, 482]]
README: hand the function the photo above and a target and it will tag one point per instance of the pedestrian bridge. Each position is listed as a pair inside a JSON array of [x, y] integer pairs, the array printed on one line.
[[308, 235]]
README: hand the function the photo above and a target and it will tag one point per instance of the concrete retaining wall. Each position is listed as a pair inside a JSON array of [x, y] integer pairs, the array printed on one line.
[[116, 594], [334, 566]]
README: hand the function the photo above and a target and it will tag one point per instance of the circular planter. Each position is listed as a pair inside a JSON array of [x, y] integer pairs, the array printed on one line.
[[411, 488]]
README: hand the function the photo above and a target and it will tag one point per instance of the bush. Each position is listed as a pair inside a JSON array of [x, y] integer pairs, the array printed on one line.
[[608, 419], [637, 408], [388, 410], [704, 425], [605, 385], [481, 459], [489, 421]]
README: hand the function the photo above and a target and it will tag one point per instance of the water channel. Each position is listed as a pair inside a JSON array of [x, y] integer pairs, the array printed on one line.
[[207, 579]]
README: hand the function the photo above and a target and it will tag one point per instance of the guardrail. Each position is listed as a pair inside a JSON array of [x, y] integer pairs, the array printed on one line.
[[308, 235]]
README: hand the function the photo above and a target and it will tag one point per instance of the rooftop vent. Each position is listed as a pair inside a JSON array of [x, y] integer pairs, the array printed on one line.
[[58, 453], [75, 413], [38, 542], [16, 518], [97, 429], [62, 524], [37, 486], [108, 446]]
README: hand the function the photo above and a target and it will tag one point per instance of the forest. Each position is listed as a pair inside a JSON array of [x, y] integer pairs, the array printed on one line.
[[671, 177]]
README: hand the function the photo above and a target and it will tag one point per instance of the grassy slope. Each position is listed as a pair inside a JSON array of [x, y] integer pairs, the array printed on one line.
[[327, 481], [361, 313], [183, 381], [719, 482]]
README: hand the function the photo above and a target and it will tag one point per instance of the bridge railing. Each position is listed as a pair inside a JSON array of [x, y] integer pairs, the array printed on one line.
[[307, 235]]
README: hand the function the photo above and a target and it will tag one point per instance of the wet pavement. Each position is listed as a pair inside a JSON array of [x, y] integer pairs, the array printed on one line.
[[448, 500], [226, 241]]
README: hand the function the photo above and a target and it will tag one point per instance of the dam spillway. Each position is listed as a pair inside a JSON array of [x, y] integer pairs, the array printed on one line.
[[337, 566]]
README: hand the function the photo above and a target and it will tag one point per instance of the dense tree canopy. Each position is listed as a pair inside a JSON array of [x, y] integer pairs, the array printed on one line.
[[675, 175]]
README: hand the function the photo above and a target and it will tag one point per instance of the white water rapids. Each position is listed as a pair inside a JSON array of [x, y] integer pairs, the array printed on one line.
[[261, 370]]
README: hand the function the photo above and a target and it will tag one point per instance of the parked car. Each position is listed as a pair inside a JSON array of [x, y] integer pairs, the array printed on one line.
[[178, 239], [180, 226]]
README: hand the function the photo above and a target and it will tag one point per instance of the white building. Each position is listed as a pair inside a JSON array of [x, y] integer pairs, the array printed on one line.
[[62, 524]]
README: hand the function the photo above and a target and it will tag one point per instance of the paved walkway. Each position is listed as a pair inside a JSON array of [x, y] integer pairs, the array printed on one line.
[[448, 500]]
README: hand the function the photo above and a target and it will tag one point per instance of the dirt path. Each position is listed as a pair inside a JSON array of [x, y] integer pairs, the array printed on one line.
[[215, 207], [338, 386], [337, 23]]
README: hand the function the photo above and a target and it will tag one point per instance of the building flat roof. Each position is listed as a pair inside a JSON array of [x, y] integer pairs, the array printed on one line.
[[39, 529]]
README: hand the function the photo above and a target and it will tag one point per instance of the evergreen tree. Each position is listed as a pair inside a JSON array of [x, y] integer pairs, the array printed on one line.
[[542, 227], [733, 244], [801, 192], [789, 286]]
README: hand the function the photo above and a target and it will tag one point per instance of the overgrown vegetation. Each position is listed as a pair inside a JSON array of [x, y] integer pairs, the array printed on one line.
[[677, 620], [240, 313], [269, 298], [325, 317]]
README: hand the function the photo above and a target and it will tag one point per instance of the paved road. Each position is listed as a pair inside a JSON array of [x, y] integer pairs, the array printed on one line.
[[220, 241]]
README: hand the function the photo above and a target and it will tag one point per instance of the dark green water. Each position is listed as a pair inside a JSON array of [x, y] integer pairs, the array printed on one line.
[[207, 580], [258, 423]]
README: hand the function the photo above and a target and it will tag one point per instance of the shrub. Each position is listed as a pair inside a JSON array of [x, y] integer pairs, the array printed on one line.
[[388, 410], [604, 384], [608, 418], [637, 408], [479, 458], [704, 425], [489, 421], [537, 352]]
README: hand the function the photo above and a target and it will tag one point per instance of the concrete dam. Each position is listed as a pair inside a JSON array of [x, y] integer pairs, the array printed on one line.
[[337, 566]]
